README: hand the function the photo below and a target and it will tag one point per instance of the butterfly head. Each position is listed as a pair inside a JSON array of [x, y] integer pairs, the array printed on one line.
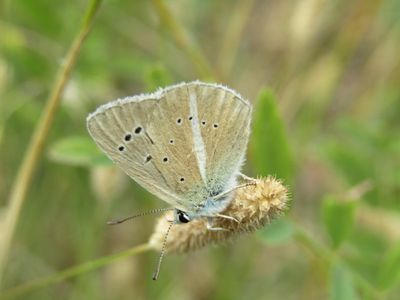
[[181, 217], [210, 207]]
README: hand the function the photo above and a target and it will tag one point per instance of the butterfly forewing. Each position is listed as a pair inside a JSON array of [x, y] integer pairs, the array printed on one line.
[[150, 139]]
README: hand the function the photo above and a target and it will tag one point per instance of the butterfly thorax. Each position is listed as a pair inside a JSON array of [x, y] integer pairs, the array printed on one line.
[[212, 207], [209, 208]]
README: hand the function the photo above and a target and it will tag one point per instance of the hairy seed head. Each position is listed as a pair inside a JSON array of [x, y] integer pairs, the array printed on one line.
[[253, 206]]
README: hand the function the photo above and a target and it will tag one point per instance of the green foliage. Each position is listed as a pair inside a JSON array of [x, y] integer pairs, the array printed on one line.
[[354, 155], [389, 274], [326, 104], [342, 285], [270, 143], [77, 151], [338, 217], [279, 232]]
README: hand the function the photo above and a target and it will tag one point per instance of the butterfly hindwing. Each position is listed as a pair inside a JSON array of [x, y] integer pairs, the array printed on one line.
[[224, 118], [161, 142]]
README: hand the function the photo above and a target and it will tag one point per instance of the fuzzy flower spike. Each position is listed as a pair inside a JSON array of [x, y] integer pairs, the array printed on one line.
[[252, 206]]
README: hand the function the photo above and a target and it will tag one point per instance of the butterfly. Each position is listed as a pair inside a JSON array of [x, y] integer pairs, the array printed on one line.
[[185, 144]]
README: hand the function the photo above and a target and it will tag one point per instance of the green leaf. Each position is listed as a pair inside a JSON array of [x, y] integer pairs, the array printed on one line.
[[350, 161], [389, 274], [279, 232], [342, 286], [270, 145], [338, 217], [78, 151]]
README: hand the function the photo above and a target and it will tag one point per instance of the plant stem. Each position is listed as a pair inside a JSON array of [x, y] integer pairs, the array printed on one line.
[[183, 41], [35, 148], [233, 36], [72, 272]]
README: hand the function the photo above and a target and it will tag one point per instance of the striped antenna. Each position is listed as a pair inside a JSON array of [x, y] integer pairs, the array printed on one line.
[[157, 271], [150, 212]]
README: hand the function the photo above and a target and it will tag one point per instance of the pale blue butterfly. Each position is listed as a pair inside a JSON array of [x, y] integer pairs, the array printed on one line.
[[185, 144]]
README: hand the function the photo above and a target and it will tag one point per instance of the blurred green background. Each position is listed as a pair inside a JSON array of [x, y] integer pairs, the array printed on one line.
[[324, 77]]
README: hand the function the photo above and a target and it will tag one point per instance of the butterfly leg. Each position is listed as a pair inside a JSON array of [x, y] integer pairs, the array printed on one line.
[[233, 189], [228, 217], [245, 177], [210, 225]]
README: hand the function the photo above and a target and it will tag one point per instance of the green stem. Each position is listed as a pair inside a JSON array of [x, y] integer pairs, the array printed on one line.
[[180, 37], [311, 245], [233, 36], [35, 148], [71, 272]]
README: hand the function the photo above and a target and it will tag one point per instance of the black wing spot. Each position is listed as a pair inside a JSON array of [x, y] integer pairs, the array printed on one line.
[[215, 125], [190, 118], [171, 141], [121, 148], [182, 179], [179, 121], [138, 130], [128, 137], [148, 158], [165, 159], [203, 123]]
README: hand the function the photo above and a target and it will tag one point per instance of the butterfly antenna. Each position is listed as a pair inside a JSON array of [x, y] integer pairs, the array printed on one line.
[[160, 258], [150, 212]]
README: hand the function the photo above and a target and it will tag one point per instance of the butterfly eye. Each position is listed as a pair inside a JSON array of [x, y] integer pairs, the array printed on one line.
[[183, 217]]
